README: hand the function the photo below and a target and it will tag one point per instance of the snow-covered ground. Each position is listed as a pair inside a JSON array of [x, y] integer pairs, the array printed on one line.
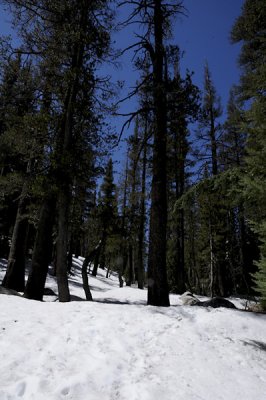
[[117, 348]]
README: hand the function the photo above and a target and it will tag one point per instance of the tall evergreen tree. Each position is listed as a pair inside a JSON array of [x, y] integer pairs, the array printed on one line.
[[183, 107], [155, 17], [250, 28], [19, 154], [67, 41], [108, 213]]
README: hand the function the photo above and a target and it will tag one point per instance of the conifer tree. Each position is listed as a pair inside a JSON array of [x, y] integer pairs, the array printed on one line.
[[19, 154], [183, 107], [250, 28], [66, 40], [108, 214], [154, 16]]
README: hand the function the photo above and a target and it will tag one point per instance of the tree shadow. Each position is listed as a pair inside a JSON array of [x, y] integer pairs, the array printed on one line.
[[121, 302], [255, 343], [80, 285]]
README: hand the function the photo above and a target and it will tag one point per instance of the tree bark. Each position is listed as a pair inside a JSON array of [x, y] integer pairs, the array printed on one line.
[[158, 292], [15, 274], [42, 252], [62, 246], [85, 279], [140, 250], [63, 157]]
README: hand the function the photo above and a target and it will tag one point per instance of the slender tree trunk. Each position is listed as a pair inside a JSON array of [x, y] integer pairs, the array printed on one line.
[[96, 264], [140, 250], [95, 256], [130, 267], [158, 292], [69, 255], [42, 252], [85, 279], [212, 262], [180, 155], [62, 246], [213, 144], [120, 272]]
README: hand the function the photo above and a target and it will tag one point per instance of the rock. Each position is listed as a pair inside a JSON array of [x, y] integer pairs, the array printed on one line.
[[188, 299], [49, 292], [216, 302]]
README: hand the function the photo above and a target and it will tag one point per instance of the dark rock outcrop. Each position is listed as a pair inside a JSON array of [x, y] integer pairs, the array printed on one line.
[[189, 299], [216, 302]]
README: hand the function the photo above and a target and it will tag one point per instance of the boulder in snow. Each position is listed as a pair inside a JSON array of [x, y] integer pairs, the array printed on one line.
[[188, 299], [216, 302]]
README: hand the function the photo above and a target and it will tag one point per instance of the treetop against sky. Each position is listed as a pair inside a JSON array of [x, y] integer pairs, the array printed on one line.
[[203, 34]]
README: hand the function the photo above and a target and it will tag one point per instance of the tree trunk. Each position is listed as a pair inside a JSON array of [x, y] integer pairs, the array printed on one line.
[[96, 264], [158, 292], [140, 250], [130, 271], [212, 262], [15, 274], [69, 255], [63, 156], [62, 246], [180, 155], [85, 279], [213, 144], [42, 252]]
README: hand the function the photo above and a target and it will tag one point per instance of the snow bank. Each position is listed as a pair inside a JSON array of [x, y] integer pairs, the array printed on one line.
[[117, 348]]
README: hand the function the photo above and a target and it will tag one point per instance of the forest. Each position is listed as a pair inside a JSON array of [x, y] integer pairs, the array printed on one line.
[[188, 210]]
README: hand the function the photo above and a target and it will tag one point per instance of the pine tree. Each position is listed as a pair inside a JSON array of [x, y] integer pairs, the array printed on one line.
[[66, 41], [183, 107], [19, 154], [108, 214], [250, 28]]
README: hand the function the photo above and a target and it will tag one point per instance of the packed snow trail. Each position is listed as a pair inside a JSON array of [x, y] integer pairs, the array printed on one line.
[[117, 348]]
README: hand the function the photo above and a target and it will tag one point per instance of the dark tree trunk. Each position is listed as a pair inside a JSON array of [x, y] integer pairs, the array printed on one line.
[[158, 292], [140, 250], [85, 279], [42, 252], [62, 246], [120, 275], [180, 155], [96, 263], [69, 255], [213, 144], [130, 267], [101, 260], [64, 156], [15, 274], [95, 256]]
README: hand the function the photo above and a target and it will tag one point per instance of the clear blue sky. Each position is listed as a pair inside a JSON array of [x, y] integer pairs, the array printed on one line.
[[204, 35]]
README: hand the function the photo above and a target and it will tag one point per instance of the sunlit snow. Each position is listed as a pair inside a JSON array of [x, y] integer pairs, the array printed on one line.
[[117, 348]]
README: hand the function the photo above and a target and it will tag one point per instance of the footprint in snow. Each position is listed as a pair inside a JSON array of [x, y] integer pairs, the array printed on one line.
[[20, 389]]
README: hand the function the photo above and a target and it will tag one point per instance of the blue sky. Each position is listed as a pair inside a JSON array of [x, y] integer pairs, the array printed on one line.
[[204, 35]]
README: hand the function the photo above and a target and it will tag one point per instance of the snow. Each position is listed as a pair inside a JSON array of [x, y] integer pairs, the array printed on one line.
[[117, 348]]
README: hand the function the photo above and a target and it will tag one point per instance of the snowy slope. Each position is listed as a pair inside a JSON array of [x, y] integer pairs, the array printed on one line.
[[117, 348]]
